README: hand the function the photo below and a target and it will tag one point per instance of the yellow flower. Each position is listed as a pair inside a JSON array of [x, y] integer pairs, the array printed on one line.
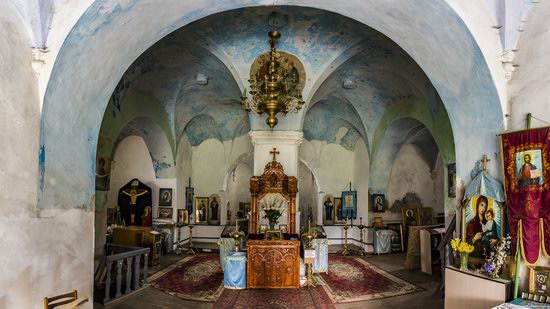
[[461, 246]]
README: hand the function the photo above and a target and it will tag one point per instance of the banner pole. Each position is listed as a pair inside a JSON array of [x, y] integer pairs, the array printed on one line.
[[518, 258]]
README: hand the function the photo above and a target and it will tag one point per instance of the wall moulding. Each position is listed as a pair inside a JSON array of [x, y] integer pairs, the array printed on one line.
[[276, 137]]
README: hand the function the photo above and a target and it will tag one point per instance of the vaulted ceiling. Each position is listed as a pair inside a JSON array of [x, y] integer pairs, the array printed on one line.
[[354, 77]]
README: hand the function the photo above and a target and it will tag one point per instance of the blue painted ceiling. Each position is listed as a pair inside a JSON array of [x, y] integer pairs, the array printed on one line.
[[224, 45]]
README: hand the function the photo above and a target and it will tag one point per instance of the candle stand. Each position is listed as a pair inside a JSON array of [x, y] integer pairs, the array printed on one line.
[[345, 251], [361, 227], [190, 251], [178, 250], [309, 236]]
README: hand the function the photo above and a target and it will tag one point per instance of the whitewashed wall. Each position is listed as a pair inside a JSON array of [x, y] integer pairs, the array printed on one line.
[[529, 87], [35, 244], [307, 193], [238, 186]]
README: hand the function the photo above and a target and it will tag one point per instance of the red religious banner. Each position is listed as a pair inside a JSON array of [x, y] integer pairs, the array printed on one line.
[[525, 156]]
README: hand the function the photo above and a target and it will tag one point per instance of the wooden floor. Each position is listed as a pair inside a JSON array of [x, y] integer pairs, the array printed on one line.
[[152, 298]]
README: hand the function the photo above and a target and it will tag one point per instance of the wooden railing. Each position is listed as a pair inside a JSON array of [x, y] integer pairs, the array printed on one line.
[[128, 258], [444, 252]]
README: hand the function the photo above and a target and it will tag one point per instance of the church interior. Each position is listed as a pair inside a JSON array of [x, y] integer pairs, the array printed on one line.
[[275, 154]]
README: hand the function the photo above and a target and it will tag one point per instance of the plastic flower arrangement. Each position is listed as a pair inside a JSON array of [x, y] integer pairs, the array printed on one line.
[[461, 246], [497, 258], [272, 209]]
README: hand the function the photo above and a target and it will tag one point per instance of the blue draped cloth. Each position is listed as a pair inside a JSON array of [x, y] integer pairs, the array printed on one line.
[[234, 275], [483, 184], [321, 255]]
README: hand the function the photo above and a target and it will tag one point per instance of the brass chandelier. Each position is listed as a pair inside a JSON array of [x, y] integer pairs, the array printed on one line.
[[274, 86]]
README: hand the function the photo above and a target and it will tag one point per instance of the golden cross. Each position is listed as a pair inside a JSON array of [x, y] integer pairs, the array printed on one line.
[[484, 162], [274, 152]]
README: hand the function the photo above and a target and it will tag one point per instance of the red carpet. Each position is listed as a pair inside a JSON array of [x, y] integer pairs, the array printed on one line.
[[352, 279], [195, 278], [302, 298]]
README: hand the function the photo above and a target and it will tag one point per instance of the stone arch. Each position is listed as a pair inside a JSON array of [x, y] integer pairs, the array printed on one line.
[[464, 83]]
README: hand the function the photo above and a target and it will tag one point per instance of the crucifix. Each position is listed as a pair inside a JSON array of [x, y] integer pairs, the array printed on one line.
[[485, 162], [274, 152]]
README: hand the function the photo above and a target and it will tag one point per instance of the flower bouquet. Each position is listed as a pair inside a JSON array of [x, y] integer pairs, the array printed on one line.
[[273, 209], [497, 258], [463, 249]]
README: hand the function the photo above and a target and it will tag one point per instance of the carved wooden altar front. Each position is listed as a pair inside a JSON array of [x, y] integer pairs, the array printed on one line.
[[273, 180], [273, 264]]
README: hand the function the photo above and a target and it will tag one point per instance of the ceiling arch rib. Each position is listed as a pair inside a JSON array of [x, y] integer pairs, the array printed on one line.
[[401, 132]]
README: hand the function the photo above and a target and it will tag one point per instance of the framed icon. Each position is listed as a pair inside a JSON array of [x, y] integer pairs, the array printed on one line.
[[183, 216], [201, 210], [165, 212], [379, 203], [338, 219], [165, 197], [263, 228], [273, 235]]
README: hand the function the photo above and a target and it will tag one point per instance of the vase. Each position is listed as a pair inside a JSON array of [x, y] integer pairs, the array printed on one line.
[[272, 225], [464, 260]]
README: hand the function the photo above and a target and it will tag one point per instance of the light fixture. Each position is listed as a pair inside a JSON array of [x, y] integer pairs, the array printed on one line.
[[274, 85]]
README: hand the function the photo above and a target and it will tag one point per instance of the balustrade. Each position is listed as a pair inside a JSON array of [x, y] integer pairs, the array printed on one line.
[[127, 260]]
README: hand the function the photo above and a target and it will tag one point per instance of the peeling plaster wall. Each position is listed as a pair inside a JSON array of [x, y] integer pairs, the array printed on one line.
[[530, 84], [411, 174]]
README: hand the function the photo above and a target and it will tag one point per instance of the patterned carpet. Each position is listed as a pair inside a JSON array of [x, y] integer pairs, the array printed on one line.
[[195, 278], [349, 279], [352, 279], [302, 298]]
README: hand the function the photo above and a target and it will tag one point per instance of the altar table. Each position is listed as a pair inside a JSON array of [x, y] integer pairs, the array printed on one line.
[[273, 264]]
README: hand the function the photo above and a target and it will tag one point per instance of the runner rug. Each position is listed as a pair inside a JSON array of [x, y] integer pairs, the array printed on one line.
[[351, 279], [303, 298], [195, 278]]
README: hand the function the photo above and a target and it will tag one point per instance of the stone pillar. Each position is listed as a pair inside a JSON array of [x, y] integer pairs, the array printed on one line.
[[287, 144]]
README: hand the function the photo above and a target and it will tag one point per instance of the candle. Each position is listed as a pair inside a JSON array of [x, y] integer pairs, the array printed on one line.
[[308, 226]]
